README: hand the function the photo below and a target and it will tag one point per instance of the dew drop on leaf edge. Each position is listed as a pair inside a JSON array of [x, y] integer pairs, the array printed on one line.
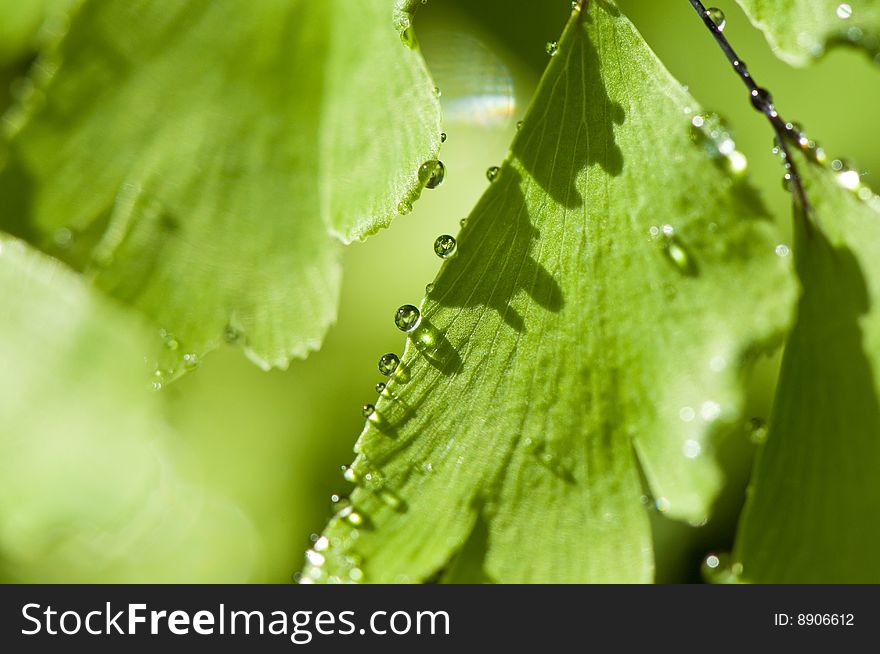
[[492, 173], [388, 363], [407, 318], [432, 173], [445, 246]]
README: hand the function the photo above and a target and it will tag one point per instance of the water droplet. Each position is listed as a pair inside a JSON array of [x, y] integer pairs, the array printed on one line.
[[492, 173], [782, 250], [691, 449], [844, 11], [407, 318], [404, 207], [169, 340], [786, 181], [407, 36], [437, 92], [427, 468], [757, 429], [443, 137], [432, 173], [190, 361], [428, 288], [380, 387], [551, 48], [391, 500], [710, 410], [762, 100], [662, 504], [445, 246], [847, 176], [368, 410], [388, 363], [351, 516], [675, 250], [356, 574], [63, 237], [710, 131], [716, 16], [519, 124], [231, 335], [712, 561], [462, 222]]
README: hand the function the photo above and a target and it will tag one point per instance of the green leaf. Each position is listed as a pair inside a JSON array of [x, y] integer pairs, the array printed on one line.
[[202, 160], [812, 513], [799, 31], [570, 340], [89, 485]]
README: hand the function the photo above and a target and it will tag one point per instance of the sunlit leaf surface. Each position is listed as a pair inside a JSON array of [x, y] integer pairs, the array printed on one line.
[[606, 293], [813, 513], [204, 166]]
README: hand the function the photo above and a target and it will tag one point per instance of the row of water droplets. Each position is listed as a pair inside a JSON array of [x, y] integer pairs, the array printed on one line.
[[336, 551]]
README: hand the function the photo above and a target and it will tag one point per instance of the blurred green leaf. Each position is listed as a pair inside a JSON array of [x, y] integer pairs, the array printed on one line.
[[812, 513], [800, 30], [89, 486], [204, 166], [20, 22], [608, 290]]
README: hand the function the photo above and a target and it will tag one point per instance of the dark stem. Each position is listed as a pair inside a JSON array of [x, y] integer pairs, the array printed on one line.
[[762, 101]]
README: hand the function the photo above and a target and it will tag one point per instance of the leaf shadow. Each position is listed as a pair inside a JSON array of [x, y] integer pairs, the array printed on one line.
[[596, 116], [510, 267]]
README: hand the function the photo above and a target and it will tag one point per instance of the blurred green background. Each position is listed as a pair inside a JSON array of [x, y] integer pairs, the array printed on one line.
[[270, 445]]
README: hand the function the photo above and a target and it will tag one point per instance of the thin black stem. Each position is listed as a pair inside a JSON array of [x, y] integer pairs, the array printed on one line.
[[762, 101]]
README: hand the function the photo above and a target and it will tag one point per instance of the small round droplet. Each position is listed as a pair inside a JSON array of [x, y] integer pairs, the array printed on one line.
[[63, 237], [367, 411], [388, 363], [519, 124], [404, 207], [716, 16], [170, 342], [445, 246], [231, 335], [428, 288], [462, 222], [407, 318], [757, 430], [492, 173], [443, 137], [762, 100], [407, 36], [782, 250], [437, 92], [786, 181], [844, 11], [190, 361], [432, 173], [380, 387], [551, 48]]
